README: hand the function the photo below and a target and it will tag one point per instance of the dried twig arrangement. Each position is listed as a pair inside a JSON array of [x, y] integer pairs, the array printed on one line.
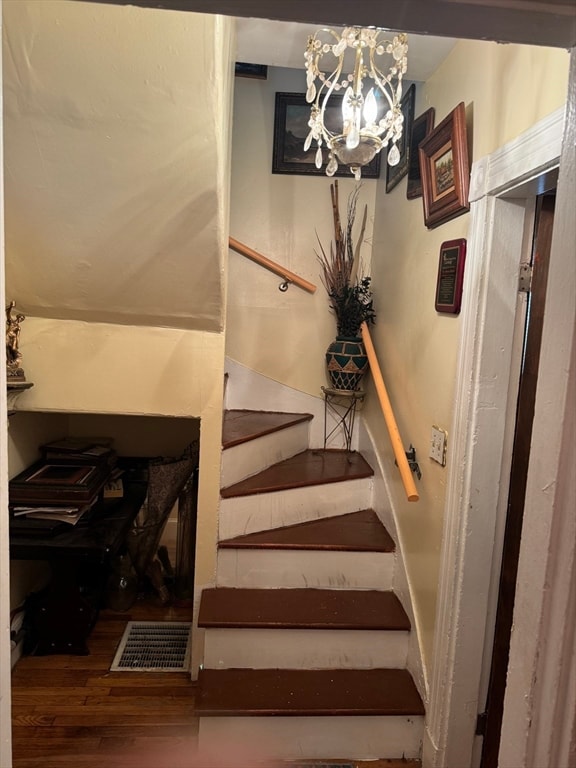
[[340, 266], [350, 296]]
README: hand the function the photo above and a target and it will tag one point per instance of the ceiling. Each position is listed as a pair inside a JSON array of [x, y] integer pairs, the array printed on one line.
[[282, 44], [534, 22]]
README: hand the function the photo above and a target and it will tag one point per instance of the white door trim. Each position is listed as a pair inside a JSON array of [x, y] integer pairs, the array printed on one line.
[[539, 719], [5, 663], [476, 455]]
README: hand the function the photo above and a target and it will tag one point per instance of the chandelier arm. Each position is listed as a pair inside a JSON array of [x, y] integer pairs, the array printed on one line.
[[321, 100], [382, 81], [358, 66]]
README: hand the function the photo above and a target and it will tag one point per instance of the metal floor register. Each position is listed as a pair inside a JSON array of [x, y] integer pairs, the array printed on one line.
[[154, 646]]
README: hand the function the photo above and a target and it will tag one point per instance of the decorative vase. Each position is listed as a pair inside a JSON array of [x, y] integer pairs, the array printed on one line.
[[347, 362]]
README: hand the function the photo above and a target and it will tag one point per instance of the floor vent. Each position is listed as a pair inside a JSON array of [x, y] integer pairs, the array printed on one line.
[[148, 646]]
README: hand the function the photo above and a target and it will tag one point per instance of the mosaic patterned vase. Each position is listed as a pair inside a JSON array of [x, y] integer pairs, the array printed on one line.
[[347, 362]]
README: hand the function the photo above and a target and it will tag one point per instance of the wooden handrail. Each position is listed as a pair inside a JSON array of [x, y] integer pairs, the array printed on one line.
[[278, 269], [395, 439]]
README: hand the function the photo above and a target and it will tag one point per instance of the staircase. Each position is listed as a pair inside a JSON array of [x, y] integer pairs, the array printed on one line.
[[305, 641]]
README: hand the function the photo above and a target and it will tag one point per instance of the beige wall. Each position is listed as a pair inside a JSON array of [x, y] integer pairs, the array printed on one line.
[[97, 368], [281, 335], [505, 89], [117, 127], [113, 129]]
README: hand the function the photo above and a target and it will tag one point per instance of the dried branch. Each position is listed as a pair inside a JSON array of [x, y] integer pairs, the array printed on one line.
[[350, 297]]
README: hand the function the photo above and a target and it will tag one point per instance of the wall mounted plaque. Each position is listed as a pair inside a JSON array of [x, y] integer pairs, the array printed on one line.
[[450, 276]]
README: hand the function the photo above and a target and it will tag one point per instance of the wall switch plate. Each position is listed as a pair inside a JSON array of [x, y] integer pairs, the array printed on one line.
[[438, 441]]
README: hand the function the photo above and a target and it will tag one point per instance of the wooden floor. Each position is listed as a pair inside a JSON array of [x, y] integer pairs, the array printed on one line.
[[72, 712]]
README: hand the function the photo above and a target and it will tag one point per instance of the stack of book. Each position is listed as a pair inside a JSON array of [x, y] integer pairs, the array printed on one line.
[[67, 481]]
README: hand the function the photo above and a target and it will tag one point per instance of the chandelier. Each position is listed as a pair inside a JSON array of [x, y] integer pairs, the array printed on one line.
[[365, 126]]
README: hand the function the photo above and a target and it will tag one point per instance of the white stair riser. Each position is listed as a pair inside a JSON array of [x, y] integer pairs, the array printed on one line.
[[259, 512], [304, 649], [282, 568], [359, 737], [253, 456]]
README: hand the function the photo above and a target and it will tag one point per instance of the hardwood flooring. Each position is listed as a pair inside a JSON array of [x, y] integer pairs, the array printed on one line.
[[72, 712]]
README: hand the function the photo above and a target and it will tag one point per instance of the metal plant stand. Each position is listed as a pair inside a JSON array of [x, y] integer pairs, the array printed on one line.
[[341, 405]]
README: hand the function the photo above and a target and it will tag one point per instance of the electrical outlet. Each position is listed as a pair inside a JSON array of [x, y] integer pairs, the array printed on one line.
[[438, 441]]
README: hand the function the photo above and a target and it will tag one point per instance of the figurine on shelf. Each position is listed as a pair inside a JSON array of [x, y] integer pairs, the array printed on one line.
[[14, 372]]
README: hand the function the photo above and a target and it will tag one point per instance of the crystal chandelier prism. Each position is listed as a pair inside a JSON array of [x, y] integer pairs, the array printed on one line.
[[370, 117]]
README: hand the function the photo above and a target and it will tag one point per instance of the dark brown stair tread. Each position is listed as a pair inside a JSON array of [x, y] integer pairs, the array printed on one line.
[[311, 467], [240, 692], [239, 426], [301, 609], [354, 532]]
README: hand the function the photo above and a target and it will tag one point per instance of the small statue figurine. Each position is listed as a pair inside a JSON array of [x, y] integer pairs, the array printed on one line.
[[13, 355]]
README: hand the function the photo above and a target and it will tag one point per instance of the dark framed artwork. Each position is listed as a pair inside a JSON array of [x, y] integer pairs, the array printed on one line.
[[61, 482], [421, 127], [450, 276], [396, 172], [255, 71], [291, 116], [60, 474], [445, 169]]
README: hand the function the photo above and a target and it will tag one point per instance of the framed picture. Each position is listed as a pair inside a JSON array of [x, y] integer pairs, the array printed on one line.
[[57, 481], [421, 127], [255, 71], [445, 169], [450, 276], [396, 172], [60, 474], [291, 127]]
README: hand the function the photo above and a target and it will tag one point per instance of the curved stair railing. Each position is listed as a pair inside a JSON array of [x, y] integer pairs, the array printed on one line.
[[395, 439], [290, 278]]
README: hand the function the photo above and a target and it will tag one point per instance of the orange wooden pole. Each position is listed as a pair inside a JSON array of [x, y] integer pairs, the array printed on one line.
[[395, 439], [278, 269]]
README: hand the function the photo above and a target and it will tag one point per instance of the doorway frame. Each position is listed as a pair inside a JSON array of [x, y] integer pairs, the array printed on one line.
[[477, 457]]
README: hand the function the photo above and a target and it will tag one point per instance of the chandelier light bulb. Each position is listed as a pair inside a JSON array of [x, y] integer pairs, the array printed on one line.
[[369, 123], [370, 108]]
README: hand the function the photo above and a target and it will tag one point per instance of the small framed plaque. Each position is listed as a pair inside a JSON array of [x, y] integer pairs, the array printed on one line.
[[450, 276]]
